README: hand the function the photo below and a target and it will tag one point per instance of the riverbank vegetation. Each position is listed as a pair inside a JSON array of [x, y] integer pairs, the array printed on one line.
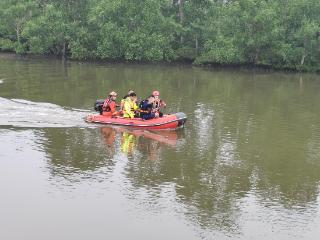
[[279, 34]]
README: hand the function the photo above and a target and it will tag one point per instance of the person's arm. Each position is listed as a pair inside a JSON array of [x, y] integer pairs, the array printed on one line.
[[127, 109], [149, 105], [146, 107], [162, 103], [122, 104], [105, 104], [135, 106], [113, 109], [112, 106]]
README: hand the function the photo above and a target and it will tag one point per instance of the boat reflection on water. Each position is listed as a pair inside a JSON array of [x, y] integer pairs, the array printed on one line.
[[76, 154], [134, 140]]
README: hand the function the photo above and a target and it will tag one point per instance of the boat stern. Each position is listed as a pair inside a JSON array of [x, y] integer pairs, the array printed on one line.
[[182, 118]]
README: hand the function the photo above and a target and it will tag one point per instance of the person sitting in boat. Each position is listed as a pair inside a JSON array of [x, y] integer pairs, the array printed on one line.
[[124, 99], [109, 106], [158, 103], [130, 107], [146, 108]]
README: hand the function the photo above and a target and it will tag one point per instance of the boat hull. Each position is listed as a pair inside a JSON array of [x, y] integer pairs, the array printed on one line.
[[171, 121]]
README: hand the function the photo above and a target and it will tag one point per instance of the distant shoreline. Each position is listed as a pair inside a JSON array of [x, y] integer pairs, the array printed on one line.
[[186, 63]]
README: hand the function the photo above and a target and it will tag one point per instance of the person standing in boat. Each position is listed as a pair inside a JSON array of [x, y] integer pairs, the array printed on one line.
[[109, 106], [130, 106], [158, 103], [146, 108]]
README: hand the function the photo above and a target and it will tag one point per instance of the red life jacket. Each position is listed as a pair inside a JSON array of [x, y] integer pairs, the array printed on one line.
[[106, 105], [157, 104], [109, 105]]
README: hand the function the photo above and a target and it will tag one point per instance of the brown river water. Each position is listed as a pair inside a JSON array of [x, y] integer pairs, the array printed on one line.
[[245, 166]]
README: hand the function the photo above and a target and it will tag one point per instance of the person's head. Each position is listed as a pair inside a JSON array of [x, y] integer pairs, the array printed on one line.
[[133, 96], [130, 91], [113, 95], [151, 99], [156, 94]]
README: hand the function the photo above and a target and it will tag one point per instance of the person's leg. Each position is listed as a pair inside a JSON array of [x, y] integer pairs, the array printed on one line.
[[148, 116], [107, 114]]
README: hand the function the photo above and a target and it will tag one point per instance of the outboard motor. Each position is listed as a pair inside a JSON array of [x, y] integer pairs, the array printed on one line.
[[182, 118], [98, 105]]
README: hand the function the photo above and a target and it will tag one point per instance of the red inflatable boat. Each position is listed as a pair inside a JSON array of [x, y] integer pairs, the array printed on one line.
[[171, 121]]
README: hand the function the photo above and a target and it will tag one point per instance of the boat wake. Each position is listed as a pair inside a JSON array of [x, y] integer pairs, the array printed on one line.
[[23, 113]]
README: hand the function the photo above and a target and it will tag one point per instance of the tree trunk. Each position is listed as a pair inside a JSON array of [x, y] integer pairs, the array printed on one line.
[[181, 12], [302, 59], [181, 15], [64, 50], [256, 57], [305, 42], [18, 33], [197, 45], [318, 38]]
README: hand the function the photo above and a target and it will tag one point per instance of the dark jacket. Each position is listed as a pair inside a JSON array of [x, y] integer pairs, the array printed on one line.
[[146, 110]]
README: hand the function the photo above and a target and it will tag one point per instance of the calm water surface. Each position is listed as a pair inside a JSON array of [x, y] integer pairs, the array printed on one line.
[[246, 165]]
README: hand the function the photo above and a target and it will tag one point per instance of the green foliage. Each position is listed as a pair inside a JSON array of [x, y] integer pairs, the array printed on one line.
[[14, 14], [133, 30], [48, 32], [6, 44], [221, 50], [302, 34], [282, 34], [186, 53]]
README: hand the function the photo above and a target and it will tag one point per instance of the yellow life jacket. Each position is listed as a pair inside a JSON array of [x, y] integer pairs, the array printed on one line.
[[129, 108]]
